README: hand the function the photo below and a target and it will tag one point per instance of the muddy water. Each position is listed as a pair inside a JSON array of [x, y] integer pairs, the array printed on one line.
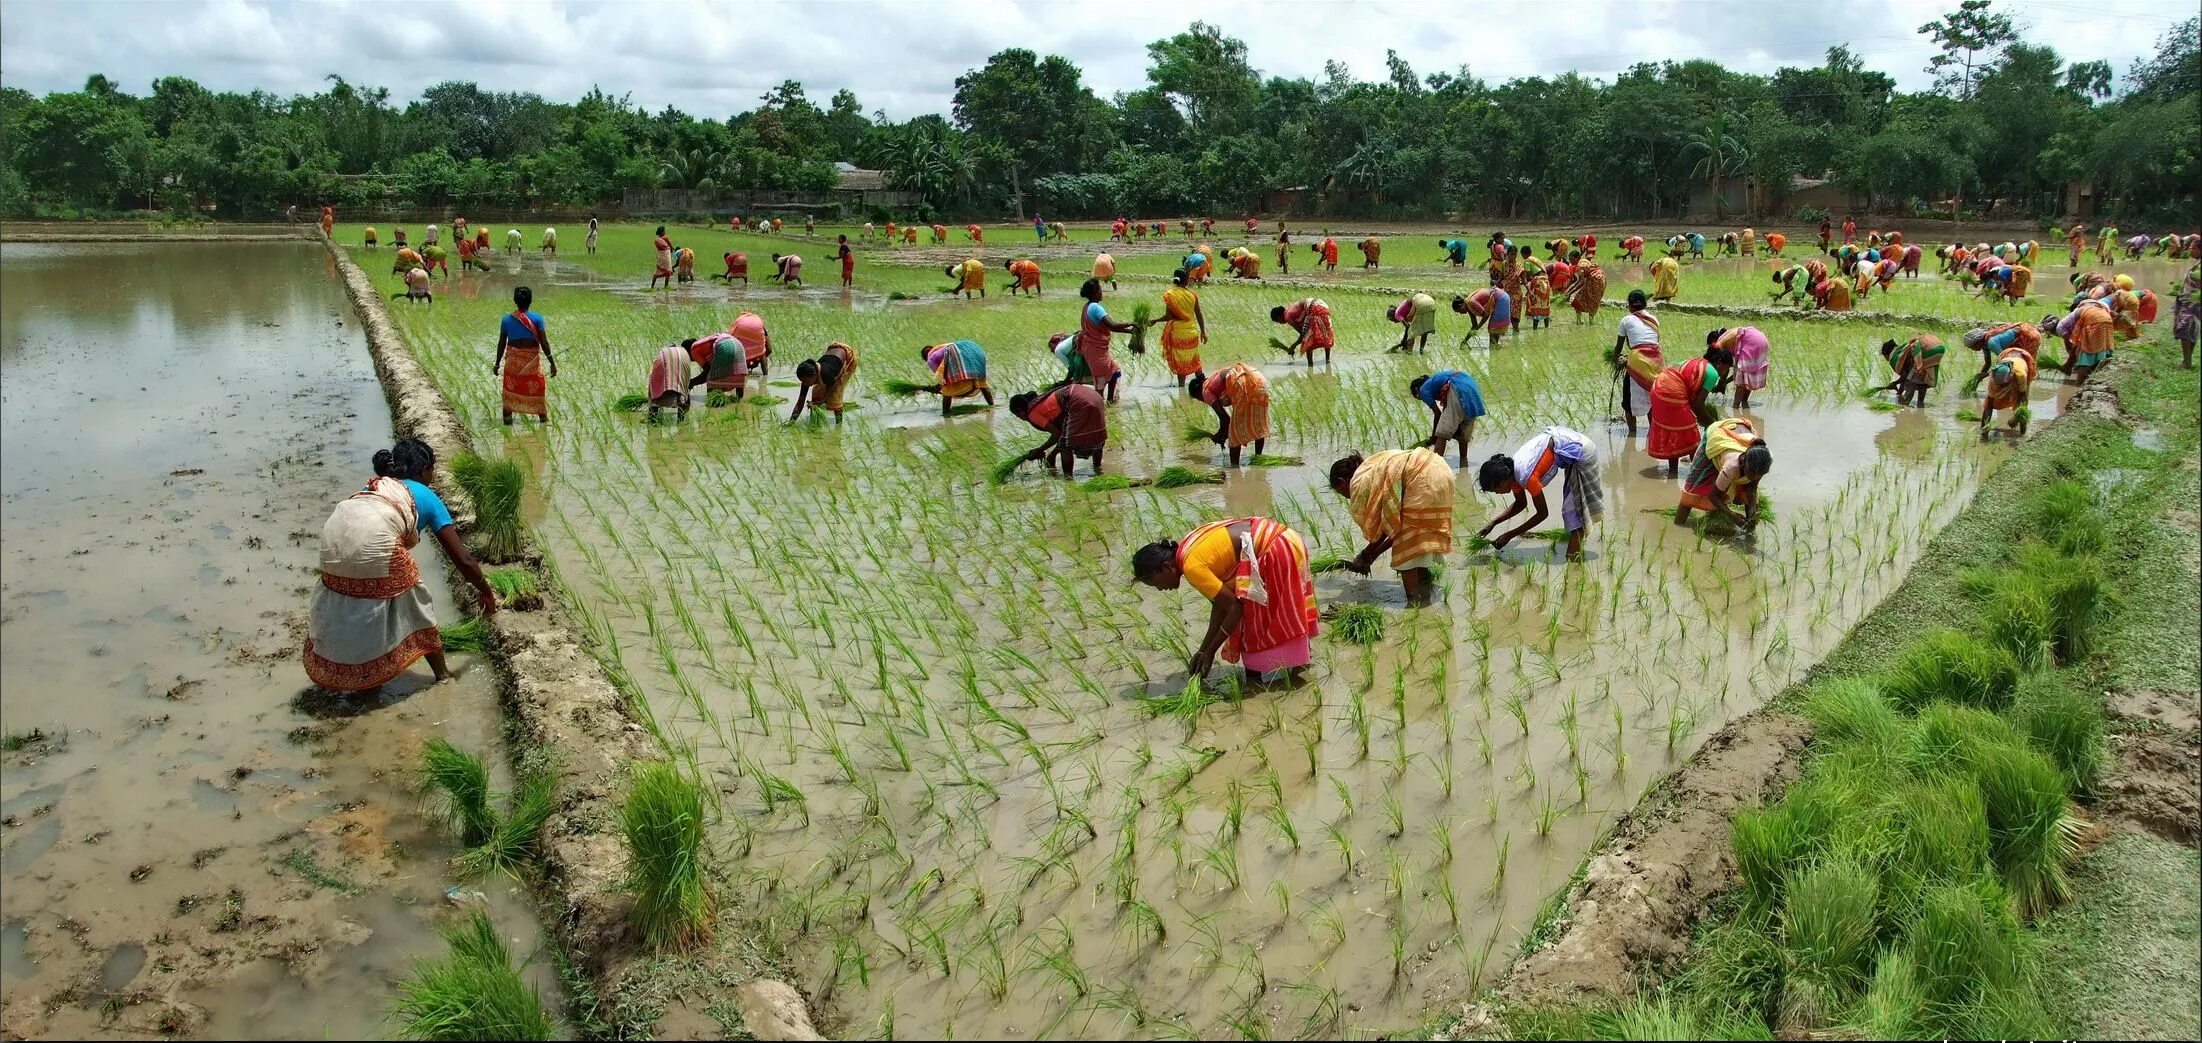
[[197, 846]]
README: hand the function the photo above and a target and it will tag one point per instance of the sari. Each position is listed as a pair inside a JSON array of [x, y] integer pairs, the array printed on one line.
[[372, 617], [669, 374], [2009, 379], [1919, 360], [1751, 350], [828, 397], [1418, 313], [1589, 292], [1371, 249], [1265, 566], [1406, 494], [1644, 362], [1243, 390], [1511, 282], [1311, 317], [1181, 331], [1539, 304], [1093, 343], [524, 388], [960, 366], [665, 258], [974, 276], [2125, 310], [1666, 278], [1674, 396], [1834, 294], [1079, 411], [1715, 471], [1027, 273], [2022, 278], [2086, 332]]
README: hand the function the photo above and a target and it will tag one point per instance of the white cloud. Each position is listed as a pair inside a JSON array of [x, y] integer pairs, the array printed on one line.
[[716, 59]]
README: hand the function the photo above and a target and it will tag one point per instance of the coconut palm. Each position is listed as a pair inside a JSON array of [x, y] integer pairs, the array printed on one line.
[[1719, 154], [695, 168]]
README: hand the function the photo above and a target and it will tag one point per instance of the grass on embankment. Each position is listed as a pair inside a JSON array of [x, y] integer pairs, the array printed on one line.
[[1883, 893], [2124, 953]]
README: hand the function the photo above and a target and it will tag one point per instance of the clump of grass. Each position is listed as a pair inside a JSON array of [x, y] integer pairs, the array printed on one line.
[[2072, 588], [663, 822], [1106, 483], [627, 403], [467, 635], [458, 784], [495, 486], [2067, 515], [2030, 835], [473, 993], [1175, 477], [1359, 623], [1953, 666], [2018, 621], [2065, 724], [1008, 466], [907, 388], [1827, 926], [1853, 710]]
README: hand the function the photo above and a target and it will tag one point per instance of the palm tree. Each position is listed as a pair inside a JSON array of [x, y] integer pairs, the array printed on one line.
[[697, 168], [1720, 154]]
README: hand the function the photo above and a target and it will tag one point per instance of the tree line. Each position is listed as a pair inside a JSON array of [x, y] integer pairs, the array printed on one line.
[[2007, 125]]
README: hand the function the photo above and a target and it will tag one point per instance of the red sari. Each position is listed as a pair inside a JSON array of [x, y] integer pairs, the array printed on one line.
[[1675, 396], [524, 387]]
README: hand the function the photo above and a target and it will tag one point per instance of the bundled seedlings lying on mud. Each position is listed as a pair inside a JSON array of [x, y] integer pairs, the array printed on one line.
[[471, 634], [1361, 624], [473, 993]]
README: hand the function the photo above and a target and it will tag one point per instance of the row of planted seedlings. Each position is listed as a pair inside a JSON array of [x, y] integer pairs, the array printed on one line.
[[956, 754], [1885, 894]]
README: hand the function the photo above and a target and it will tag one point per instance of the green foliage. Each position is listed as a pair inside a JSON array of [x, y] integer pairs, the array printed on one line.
[[1174, 477], [1106, 483], [2029, 835], [496, 487], [511, 583], [2065, 724], [473, 993], [1853, 710], [1951, 665], [471, 634], [1827, 923], [458, 783], [663, 822], [2069, 519], [1359, 623], [511, 844]]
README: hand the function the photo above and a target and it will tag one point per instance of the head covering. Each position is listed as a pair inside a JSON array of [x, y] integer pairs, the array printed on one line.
[[2125, 282]]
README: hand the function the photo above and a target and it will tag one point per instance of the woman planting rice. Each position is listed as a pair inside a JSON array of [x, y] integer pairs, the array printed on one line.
[[787, 269], [969, 276], [2086, 334], [1531, 469], [821, 382], [1636, 350], [1666, 275], [1184, 326], [2007, 364], [1074, 420], [1104, 268], [1456, 403], [1254, 573], [1024, 275], [1245, 263], [1372, 249], [1417, 319], [1831, 293], [1680, 408], [1455, 251], [416, 287], [523, 350], [1728, 470], [1489, 305], [737, 267], [2186, 314], [1309, 318], [1240, 396], [1587, 291], [1632, 248], [405, 260], [372, 616], [724, 363], [1328, 250], [1284, 251], [1402, 499], [1198, 265], [1537, 302], [1916, 362], [1752, 354], [960, 368], [669, 381]]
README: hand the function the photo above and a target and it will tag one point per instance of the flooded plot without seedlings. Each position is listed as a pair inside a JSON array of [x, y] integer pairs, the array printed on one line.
[[934, 708]]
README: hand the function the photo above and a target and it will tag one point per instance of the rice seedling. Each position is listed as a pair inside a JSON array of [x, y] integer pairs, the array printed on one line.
[[907, 388], [1828, 931], [1953, 666], [1178, 477], [1105, 483], [1274, 460], [471, 634], [510, 844], [1142, 314], [663, 822], [1359, 623], [458, 784], [474, 992], [495, 487], [511, 584], [630, 402], [2031, 835], [2065, 724], [1322, 563]]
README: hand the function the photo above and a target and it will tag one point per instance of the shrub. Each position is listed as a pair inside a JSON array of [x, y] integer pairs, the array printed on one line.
[[2066, 725], [474, 993], [663, 822], [1952, 666]]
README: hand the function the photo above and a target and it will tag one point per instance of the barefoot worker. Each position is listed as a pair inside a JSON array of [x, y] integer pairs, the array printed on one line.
[[1587, 291], [1184, 326], [664, 248], [1403, 501], [1024, 275], [1753, 358], [1094, 330], [959, 367], [1729, 469], [669, 381], [523, 350], [737, 267], [969, 276], [1417, 319], [1530, 470], [1490, 305], [1681, 408], [1309, 318], [372, 616], [1455, 402], [1104, 268], [1636, 352], [1240, 396], [787, 269], [1916, 363], [416, 287], [749, 328], [821, 382], [1073, 418], [2085, 331], [1261, 593]]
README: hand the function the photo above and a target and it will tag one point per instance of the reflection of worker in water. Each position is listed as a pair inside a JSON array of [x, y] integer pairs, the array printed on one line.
[[1402, 499], [1261, 593], [1239, 395], [1533, 467], [1727, 471]]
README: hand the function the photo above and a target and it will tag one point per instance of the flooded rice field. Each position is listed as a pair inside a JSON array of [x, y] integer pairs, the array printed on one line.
[[192, 846], [929, 707]]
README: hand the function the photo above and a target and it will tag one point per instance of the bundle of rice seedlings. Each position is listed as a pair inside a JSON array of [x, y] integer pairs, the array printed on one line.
[[898, 295], [1185, 705], [764, 400], [663, 822], [2025, 414], [717, 399], [510, 583], [1326, 563], [907, 388], [1649, 1018], [1273, 460], [1963, 945], [1852, 710], [1828, 930], [1941, 837], [1359, 623], [1008, 466], [1142, 313], [1894, 1006], [457, 783], [626, 403], [1549, 535], [2030, 835], [1198, 433], [1175, 477], [967, 409], [1947, 739], [2066, 725], [2078, 595], [471, 634], [495, 486], [1478, 541], [1954, 666], [1883, 406], [2067, 513], [2019, 621], [1106, 483], [473, 993], [1279, 344], [511, 844], [1968, 415]]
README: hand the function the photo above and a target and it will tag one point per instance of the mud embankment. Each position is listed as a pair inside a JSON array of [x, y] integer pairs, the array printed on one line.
[[563, 711]]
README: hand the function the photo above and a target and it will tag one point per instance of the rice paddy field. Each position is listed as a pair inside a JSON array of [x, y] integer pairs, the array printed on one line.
[[959, 767]]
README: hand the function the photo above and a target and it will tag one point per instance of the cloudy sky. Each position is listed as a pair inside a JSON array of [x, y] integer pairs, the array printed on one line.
[[714, 59]]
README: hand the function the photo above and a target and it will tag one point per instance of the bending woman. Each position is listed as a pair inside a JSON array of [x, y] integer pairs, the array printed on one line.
[[1261, 593], [1074, 419], [1403, 501], [1729, 469], [822, 381], [1531, 469], [372, 616], [1240, 396], [960, 368]]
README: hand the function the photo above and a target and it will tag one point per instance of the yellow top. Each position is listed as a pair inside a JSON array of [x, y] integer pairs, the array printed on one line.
[[1209, 560]]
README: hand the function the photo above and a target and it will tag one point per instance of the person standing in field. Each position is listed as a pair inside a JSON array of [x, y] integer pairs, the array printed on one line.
[[2085, 331], [1104, 268], [1637, 353], [592, 233], [848, 262], [2007, 364], [940, 234], [787, 268], [429, 237], [1538, 297], [1456, 403], [1402, 501], [822, 382], [1417, 319], [1587, 291], [481, 243], [2186, 313], [1372, 248], [372, 616], [1749, 346], [1309, 318], [1488, 305], [1024, 274], [664, 271], [1073, 418], [1039, 228], [910, 232], [1184, 326], [1531, 469], [436, 259], [513, 241], [969, 278], [460, 227], [959, 369], [1748, 240], [1681, 408], [1284, 251], [1850, 229], [1239, 395], [810, 224], [974, 233], [1666, 275], [523, 351], [1917, 362], [1728, 470], [1260, 588], [328, 220], [2075, 240], [1094, 331], [1827, 234]]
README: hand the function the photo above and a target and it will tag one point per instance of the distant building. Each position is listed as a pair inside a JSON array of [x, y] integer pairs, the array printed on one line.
[[858, 179]]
